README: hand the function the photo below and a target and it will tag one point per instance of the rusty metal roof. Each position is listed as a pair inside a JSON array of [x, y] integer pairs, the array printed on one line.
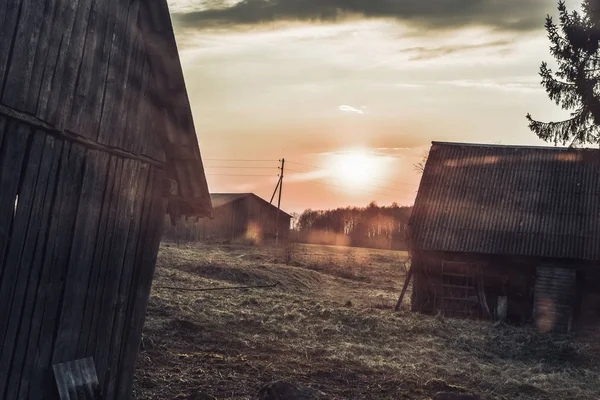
[[511, 200]]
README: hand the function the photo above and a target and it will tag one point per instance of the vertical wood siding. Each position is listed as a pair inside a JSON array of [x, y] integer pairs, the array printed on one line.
[[79, 226], [249, 217], [554, 298], [76, 260]]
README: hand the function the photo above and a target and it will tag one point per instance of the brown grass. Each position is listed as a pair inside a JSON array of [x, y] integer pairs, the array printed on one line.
[[329, 325]]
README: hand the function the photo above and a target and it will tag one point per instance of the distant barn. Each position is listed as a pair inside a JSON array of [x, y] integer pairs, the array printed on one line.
[[509, 232], [96, 141], [237, 216]]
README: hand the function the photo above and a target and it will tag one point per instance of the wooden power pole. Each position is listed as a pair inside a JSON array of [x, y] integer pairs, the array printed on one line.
[[280, 184]]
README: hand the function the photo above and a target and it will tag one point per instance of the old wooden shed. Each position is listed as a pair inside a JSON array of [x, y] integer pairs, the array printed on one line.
[[244, 216], [509, 231], [96, 141]]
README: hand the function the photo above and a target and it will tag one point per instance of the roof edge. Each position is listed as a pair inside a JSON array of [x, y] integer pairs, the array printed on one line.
[[513, 146]]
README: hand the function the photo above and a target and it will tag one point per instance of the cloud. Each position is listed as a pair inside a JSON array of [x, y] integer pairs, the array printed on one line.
[[507, 15], [351, 109], [427, 53], [516, 84]]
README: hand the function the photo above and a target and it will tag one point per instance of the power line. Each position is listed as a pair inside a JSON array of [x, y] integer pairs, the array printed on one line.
[[272, 176], [237, 160], [304, 165], [236, 167]]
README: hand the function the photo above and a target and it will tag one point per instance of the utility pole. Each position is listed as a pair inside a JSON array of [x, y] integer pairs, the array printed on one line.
[[280, 184]]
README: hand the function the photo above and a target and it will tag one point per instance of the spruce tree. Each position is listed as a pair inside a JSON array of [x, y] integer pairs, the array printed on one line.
[[575, 85]]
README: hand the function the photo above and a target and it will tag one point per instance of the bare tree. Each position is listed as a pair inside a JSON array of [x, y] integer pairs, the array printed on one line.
[[420, 166]]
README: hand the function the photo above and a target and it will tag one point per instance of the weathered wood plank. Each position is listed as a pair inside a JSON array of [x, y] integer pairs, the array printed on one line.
[[9, 15], [129, 82], [54, 62], [76, 380], [57, 255], [142, 281], [41, 55], [64, 72], [14, 278], [94, 292], [132, 133], [12, 153], [37, 295], [82, 253], [87, 97], [120, 321], [3, 123], [72, 65], [101, 259], [18, 79], [94, 104], [29, 267], [113, 89], [143, 112], [115, 268], [97, 330]]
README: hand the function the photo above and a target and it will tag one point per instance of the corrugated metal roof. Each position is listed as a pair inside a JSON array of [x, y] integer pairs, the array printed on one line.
[[512, 200]]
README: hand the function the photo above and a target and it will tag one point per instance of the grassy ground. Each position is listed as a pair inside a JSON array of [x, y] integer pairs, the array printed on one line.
[[329, 324]]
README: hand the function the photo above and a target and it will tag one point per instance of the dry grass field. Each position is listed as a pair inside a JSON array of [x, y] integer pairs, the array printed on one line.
[[329, 324]]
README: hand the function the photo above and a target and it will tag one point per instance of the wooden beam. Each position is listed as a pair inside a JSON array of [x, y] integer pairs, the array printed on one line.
[[74, 137], [406, 281]]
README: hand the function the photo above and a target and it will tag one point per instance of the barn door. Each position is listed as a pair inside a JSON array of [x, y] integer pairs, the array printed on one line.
[[553, 298], [455, 294]]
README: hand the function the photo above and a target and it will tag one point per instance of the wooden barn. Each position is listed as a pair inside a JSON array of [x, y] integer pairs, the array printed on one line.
[[509, 232], [96, 141], [237, 216]]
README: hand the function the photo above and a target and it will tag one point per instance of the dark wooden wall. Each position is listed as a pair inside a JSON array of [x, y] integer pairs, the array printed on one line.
[[511, 276], [81, 198], [229, 223], [248, 218], [555, 294], [262, 218], [81, 67]]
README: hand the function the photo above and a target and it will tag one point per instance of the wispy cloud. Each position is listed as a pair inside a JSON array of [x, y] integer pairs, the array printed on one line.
[[351, 109], [517, 84], [296, 176], [427, 53]]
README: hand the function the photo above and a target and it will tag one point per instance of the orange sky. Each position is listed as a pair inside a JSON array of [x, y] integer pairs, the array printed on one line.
[[310, 88]]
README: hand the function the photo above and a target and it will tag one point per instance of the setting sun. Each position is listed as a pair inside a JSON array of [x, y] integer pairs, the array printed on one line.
[[355, 167]]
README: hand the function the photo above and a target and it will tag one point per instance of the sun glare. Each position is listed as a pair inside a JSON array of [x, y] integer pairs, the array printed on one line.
[[355, 168]]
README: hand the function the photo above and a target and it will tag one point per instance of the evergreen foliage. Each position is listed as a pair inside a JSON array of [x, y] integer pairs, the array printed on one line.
[[575, 84]]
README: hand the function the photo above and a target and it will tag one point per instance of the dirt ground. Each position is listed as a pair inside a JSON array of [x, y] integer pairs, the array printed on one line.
[[329, 324]]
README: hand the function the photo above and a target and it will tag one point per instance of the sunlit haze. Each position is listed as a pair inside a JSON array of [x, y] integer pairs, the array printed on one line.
[[353, 101]]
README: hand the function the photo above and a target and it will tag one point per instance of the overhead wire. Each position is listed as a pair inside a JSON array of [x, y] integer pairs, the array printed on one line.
[[237, 160], [236, 167], [273, 175], [315, 169]]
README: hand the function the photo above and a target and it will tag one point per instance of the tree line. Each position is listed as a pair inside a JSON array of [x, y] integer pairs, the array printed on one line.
[[373, 226]]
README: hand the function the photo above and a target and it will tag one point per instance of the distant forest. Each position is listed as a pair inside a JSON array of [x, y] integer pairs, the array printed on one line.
[[374, 226]]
